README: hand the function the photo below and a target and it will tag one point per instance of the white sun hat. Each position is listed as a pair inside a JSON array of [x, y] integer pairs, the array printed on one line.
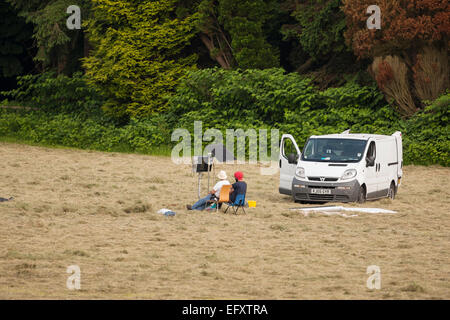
[[222, 175]]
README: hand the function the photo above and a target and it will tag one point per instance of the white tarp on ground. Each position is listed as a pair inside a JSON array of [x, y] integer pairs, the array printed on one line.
[[338, 210]]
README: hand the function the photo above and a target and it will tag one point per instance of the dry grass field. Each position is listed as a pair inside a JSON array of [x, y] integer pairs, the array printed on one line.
[[99, 211]]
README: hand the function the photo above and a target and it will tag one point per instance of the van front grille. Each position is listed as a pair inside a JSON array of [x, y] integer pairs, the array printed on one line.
[[321, 187], [327, 179]]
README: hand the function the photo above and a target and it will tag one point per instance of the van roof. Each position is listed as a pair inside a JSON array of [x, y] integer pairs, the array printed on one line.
[[359, 136]]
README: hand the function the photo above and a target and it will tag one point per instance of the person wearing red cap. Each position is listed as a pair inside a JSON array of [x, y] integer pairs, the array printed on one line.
[[239, 187]]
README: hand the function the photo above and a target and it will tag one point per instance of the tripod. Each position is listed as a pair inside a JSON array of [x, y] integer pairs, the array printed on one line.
[[200, 168]]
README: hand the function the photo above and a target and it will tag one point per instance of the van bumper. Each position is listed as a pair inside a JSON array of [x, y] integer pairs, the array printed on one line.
[[339, 191]]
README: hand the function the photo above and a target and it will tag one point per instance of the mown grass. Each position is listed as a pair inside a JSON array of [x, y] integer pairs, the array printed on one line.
[[98, 210]]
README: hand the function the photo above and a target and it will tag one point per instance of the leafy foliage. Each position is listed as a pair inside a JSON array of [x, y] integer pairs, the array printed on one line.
[[248, 96], [56, 45], [236, 32], [56, 93], [137, 58], [320, 28], [244, 20], [361, 109], [147, 136], [427, 140]]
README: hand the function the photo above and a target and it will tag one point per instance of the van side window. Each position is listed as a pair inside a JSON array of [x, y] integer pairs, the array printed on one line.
[[372, 152], [288, 147]]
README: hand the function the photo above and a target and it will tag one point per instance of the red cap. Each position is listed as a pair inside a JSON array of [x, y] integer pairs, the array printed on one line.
[[239, 175]]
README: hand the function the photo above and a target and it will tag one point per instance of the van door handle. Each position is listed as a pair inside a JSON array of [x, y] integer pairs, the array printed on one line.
[[280, 163]]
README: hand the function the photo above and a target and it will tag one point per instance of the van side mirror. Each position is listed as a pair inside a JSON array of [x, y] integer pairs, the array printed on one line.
[[370, 161], [292, 158]]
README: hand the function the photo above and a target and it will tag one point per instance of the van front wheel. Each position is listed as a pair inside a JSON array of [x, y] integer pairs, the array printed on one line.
[[391, 193], [362, 194]]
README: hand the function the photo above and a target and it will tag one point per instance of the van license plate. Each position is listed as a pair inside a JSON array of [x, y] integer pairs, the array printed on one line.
[[321, 191]]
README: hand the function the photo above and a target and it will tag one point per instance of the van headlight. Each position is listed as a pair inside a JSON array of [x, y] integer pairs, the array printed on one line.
[[348, 174], [300, 173]]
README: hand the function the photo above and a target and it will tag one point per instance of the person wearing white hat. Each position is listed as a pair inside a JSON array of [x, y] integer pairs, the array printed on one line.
[[215, 192]]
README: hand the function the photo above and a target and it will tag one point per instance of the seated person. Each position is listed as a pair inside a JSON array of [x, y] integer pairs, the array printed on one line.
[[239, 187], [214, 193]]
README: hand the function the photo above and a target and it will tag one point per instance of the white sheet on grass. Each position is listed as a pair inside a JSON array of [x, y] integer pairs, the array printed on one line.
[[337, 210]]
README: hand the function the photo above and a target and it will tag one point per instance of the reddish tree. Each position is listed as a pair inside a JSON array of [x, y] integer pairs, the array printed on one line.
[[384, 75], [416, 34], [405, 25]]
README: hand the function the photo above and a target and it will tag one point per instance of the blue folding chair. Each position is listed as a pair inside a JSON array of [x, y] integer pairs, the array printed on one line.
[[238, 203]]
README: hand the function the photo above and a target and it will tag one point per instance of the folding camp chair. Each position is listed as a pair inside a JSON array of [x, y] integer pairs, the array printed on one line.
[[238, 203], [224, 196]]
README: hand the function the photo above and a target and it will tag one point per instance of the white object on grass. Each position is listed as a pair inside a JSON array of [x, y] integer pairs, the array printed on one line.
[[369, 210], [341, 208], [336, 213], [337, 210], [166, 212]]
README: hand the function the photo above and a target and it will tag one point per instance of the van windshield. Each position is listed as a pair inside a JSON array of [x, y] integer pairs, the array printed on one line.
[[334, 150]]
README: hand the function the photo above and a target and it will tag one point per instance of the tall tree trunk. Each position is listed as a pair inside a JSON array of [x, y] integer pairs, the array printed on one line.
[[62, 62], [86, 45], [220, 58], [305, 67]]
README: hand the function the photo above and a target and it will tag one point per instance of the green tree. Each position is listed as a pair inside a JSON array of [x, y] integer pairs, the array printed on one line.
[[320, 27], [236, 33], [14, 35], [316, 33], [138, 55], [57, 47]]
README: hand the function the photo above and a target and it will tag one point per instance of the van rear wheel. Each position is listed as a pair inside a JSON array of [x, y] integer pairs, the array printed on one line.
[[362, 194]]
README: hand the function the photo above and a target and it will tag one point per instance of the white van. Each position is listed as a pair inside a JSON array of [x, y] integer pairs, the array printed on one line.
[[341, 167]]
